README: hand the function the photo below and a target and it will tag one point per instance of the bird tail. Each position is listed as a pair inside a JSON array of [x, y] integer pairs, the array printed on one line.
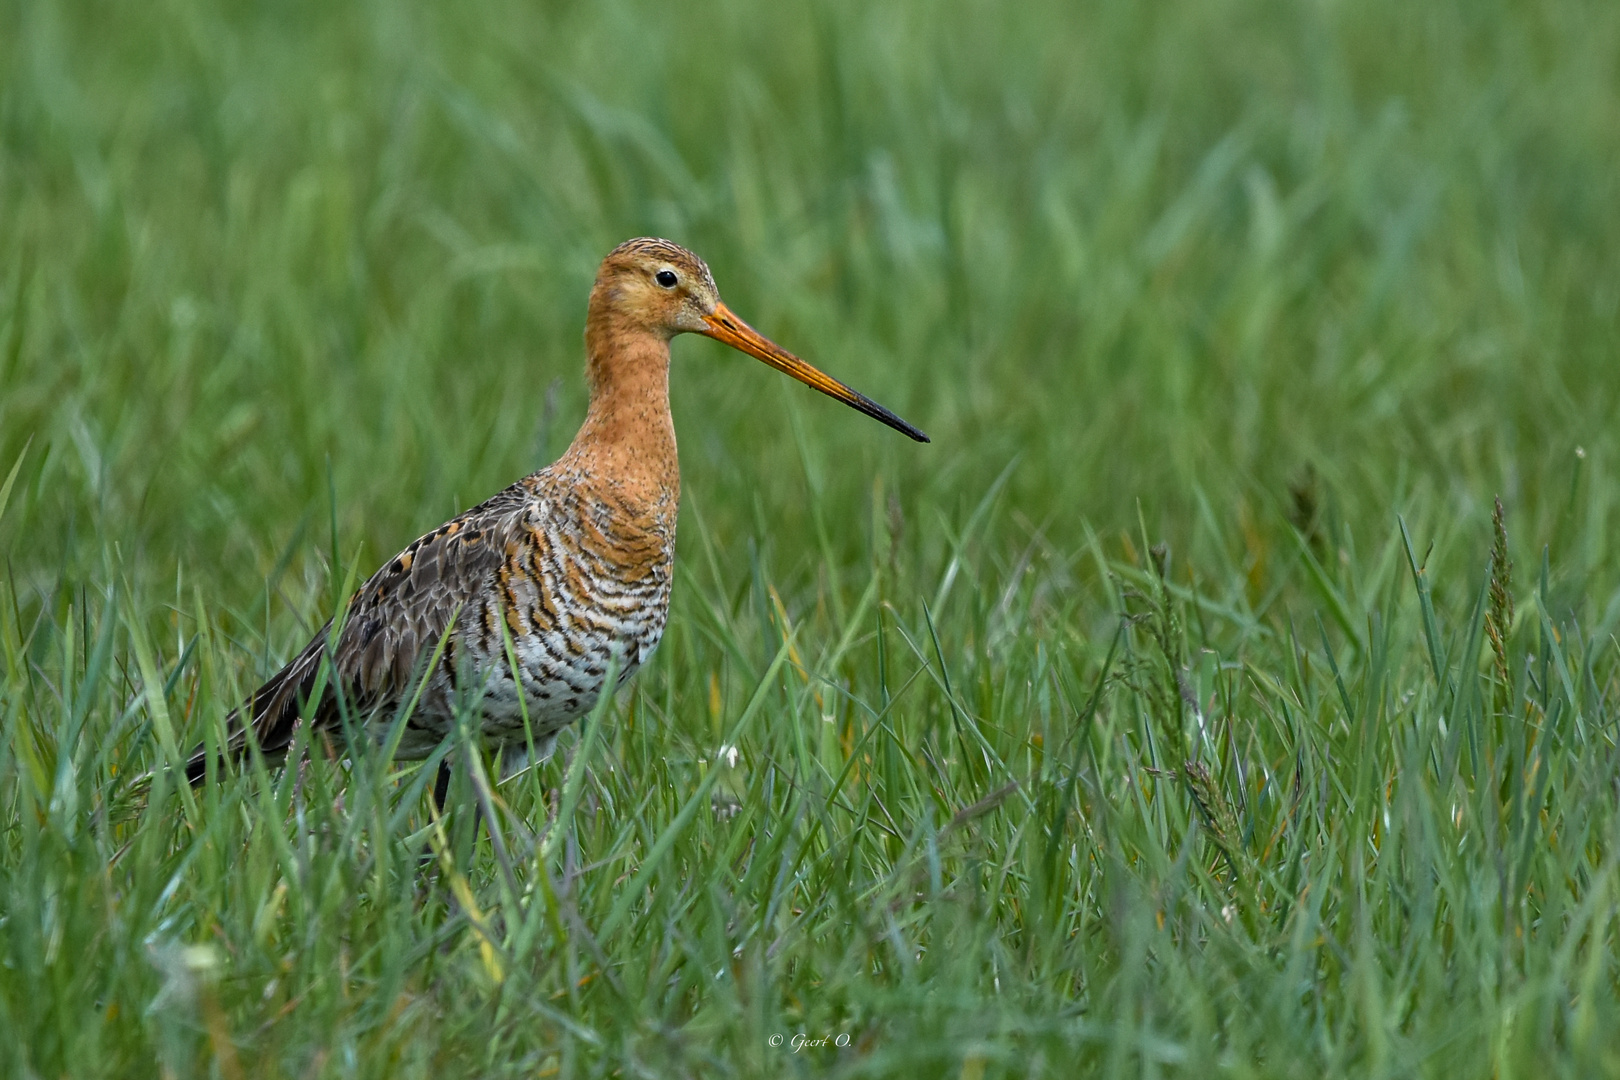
[[270, 715]]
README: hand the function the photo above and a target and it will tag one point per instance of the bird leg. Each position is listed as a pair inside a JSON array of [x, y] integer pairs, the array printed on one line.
[[441, 785], [440, 793]]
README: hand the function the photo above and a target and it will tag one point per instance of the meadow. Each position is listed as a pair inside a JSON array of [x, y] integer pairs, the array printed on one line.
[[1187, 708]]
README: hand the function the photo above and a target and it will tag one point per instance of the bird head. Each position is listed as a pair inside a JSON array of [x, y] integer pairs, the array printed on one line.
[[661, 288]]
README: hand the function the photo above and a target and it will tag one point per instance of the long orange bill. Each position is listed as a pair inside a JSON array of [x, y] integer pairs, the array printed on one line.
[[726, 327]]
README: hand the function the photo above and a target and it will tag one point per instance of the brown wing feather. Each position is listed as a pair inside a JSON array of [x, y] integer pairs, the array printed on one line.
[[394, 622]]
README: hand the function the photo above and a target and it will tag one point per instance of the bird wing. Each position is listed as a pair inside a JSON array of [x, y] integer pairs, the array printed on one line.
[[394, 622]]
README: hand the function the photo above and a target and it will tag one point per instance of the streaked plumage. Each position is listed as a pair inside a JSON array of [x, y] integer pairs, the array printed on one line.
[[576, 560]]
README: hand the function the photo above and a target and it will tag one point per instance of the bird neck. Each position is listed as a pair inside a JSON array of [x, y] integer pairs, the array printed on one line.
[[628, 438]]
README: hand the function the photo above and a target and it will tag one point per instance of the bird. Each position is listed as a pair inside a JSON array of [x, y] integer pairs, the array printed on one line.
[[572, 565]]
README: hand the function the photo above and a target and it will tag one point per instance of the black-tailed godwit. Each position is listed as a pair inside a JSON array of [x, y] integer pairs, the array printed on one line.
[[575, 560]]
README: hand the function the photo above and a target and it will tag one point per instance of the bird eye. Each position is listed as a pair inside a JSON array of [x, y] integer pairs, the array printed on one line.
[[666, 278]]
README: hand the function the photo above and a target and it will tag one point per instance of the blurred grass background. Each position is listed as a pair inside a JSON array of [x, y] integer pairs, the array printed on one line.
[[285, 285]]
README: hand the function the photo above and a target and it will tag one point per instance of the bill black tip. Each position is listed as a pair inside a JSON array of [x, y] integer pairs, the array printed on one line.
[[864, 404]]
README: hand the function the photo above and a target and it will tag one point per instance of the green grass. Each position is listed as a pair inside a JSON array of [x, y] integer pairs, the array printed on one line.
[[1122, 725]]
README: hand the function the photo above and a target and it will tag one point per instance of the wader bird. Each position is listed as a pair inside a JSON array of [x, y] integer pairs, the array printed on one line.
[[572, 565]]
